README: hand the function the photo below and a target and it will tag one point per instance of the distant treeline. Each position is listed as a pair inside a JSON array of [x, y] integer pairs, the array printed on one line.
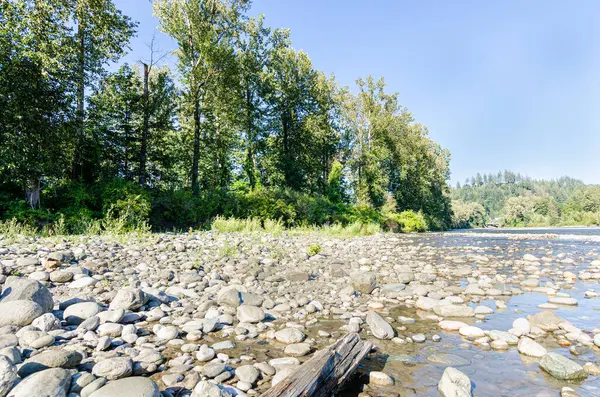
[[246, 126], [510, 199]]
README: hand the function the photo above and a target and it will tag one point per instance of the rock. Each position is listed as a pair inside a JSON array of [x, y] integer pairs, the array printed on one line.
[[250, 314], [213, 370], [247, 373], [229, 297], [504, 337], [471, 332], [79, 312], [568, 392], [53, 382], [561, 367], [561, 300], [92, 387], [205, 353], [546, 321], [83, 282], [406, 277], [113, 368], [208, 389], [454, 384], [449, 325], [8, 375], [454, 311], [290, 335], [128, 299], [530, 348], [379, 327], [46, 322], [61, 276], [419, 338], [364, 282], [380, 379], [50, 359], [18, 289], [297, 349], [298, 276], [134, 386], [19, 312], [522, 324]]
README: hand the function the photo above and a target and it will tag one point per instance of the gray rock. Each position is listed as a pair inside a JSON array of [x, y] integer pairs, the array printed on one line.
[[213, 370], [406, 277], [454, 384], [547, 321], [128, 299], [19, 312], [50, 359], [8, 375], [113, 368], [135, 386], [250, 314], [209, 389], [364, 282], [17, 289], [205, 353], [297, 349], [53, 382], [46, 322], [88, 390], [290, 335], [561, 367], [79, 312], [530, 348], [454, 311], [247, 373], [379, 327]]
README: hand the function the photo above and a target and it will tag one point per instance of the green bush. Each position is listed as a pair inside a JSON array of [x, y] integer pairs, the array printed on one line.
[[411, 222]]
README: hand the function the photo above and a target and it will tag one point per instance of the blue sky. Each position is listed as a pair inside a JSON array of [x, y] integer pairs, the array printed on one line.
[[501, 84]]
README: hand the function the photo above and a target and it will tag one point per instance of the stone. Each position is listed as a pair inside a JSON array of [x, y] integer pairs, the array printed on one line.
[[113, 368], [379, 327], [247, 373], [50, 359], [17, 289], [137, 386], [406, 277], [450, 325], [205, 353], [128, 299], [454, 384], [53, 382], [250, 314], [19, 312], [547, 321], [561, 300], [504, 337], [61, 276], [530, 348], [79, 312], [562, 367], [380, 379], [209, 389], [95, 385], [297, 349], [471, 332], [454, 311], [8, 375], [290, 335], [83, 282], [213, 370], [364, 282], [522, 324], [46, 322]]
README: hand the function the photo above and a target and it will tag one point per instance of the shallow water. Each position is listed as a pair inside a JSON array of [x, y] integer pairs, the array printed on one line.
[[417, 368]]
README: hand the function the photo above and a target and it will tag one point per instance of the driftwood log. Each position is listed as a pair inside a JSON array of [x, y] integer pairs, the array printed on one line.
[[325, 372]]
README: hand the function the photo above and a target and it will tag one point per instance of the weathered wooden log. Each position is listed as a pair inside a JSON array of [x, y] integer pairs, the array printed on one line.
[[325, 372]]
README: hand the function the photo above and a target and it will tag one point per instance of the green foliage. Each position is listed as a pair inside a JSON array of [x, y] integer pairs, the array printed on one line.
[[314, 249], [410, 221], [521, 201], [467, 215]]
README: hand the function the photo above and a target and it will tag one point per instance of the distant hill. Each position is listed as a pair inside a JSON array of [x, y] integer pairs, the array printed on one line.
[[525, 201]]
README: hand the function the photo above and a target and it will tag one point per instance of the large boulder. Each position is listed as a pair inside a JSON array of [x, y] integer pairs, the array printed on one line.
[[547, 321], [364, 282], [128, 299], [8, 375], [79, 312], [561, 367], [53, 382], [19, 312], [50, 359], [379, 327], [137, 386], [17, 288], [454, 384]]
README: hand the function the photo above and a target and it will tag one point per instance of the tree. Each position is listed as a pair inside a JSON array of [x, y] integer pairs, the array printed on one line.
[[102, 35], [204, 30], [34, 103]]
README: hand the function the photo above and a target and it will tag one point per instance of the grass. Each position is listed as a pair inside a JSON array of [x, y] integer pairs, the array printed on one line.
[[314, 249]]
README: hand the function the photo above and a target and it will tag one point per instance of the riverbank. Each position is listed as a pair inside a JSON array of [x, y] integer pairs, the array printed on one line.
[[190, 311]]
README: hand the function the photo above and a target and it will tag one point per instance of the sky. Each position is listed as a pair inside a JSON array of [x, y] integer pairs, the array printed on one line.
[[501, 84]]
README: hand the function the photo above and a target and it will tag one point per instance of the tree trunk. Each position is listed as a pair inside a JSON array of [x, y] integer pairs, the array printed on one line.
[[77, 167], [32, 193], [196, 159], [325, 372], [145, 127]]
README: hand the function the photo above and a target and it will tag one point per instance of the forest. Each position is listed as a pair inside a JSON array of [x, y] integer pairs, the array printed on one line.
[[244, 127], [510, 199]]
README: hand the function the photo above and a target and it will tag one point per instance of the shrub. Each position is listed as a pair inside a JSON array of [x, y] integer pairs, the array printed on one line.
[[411, 222], [313, 249]]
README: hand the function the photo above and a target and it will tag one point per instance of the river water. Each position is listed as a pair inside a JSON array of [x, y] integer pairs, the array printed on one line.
[[417, 368]]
